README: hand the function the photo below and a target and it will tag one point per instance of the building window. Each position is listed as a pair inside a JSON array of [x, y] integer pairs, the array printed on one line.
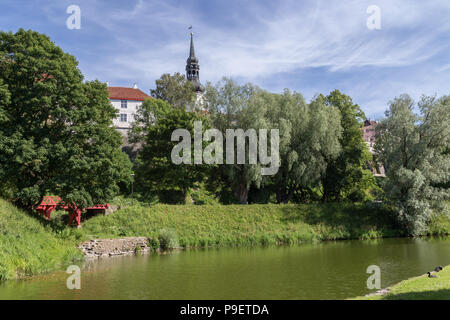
[[123, 104], [123, 117]]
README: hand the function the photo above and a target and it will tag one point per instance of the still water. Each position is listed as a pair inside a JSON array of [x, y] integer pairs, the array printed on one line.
[[328, 270]]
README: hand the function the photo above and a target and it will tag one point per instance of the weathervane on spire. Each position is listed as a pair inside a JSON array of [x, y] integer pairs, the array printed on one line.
[[190, 28]]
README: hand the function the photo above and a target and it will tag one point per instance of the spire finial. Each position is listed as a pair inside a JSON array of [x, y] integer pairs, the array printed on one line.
[[192, 51]]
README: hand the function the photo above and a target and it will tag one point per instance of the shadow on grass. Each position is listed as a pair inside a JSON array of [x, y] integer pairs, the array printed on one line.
[[443, 294], [59, 219], [356, 218], [339, 213]]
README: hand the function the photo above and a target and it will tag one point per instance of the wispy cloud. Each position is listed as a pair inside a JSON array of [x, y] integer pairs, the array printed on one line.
[[309, 46]]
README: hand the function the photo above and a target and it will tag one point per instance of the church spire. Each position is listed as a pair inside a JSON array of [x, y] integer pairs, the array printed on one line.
[[192, 51], [193, 68]]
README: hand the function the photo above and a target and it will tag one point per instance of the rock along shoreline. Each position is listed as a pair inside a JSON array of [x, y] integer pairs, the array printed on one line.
[[99, 248]]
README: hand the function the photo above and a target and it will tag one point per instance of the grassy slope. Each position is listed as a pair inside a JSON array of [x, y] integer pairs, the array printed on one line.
[[440, 226], [27, 247], [419, 288], [245, 225]]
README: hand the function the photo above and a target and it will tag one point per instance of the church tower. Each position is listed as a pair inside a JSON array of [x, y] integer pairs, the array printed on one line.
[[193, 68]]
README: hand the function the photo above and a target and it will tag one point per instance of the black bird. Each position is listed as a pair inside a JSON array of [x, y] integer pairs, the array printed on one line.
[[431, 275], [438, 268]]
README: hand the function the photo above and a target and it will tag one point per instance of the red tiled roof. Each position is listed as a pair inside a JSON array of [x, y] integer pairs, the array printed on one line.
[[123, 93]]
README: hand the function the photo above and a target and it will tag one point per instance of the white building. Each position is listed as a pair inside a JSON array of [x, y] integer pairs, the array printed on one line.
[[126, 101]]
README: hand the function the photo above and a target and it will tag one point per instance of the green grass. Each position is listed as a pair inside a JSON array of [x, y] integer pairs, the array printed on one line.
[[28, 247], [418, 288], [235, 225], [439, 226]]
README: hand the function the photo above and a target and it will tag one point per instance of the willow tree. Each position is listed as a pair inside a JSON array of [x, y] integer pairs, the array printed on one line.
[[309, 135], [56, 133], [309, 138], [232, 106], [412, 148]]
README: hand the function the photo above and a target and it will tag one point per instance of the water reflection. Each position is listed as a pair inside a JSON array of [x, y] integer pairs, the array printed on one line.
[[327, 270]]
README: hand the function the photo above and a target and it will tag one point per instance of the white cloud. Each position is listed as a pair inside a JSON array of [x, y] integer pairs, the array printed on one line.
[[254, 44]]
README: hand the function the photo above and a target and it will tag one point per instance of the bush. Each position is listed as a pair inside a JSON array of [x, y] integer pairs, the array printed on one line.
[[153, 243], [168, 239], [202, 196]]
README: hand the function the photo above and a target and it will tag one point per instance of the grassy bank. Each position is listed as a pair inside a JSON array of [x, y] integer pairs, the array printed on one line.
[[233, 225], [30, 245], [27, 247], [418, 288]]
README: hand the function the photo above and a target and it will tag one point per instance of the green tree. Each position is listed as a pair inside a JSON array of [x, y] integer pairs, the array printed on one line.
[[4, 96], [309, 138], [412, 148], [156, 173], [347, 176], [5, 187], [176, 90], [4, 101], [56, 134], [232, 106]]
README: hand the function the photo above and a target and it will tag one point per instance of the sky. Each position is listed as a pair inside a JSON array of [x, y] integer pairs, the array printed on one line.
[[309, 46]]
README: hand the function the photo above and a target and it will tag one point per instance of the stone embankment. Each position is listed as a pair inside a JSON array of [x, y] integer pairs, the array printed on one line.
[[115, 247]]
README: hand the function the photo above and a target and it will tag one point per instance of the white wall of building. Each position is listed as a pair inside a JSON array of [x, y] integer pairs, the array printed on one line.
[[129, 111]]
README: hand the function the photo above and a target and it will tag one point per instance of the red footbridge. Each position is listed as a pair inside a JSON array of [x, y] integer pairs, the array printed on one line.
[[51, 203]]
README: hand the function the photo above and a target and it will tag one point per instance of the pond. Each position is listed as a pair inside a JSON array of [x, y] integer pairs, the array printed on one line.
[[327, 270]]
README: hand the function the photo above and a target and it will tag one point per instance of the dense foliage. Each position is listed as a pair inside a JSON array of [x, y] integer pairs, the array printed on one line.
[[156, 173], [308, 134], [347, 177], [231, 106], [56, 134], [176, 90], [413, 148]]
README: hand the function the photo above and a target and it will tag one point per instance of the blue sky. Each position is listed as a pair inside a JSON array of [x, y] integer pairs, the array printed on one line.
[[311, 46]]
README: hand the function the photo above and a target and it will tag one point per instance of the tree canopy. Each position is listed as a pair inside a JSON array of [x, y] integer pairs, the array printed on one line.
[[176, 90], [155, 121], [309, 136], [56, 133], [412, 146], [231, 106], [347, 176]]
